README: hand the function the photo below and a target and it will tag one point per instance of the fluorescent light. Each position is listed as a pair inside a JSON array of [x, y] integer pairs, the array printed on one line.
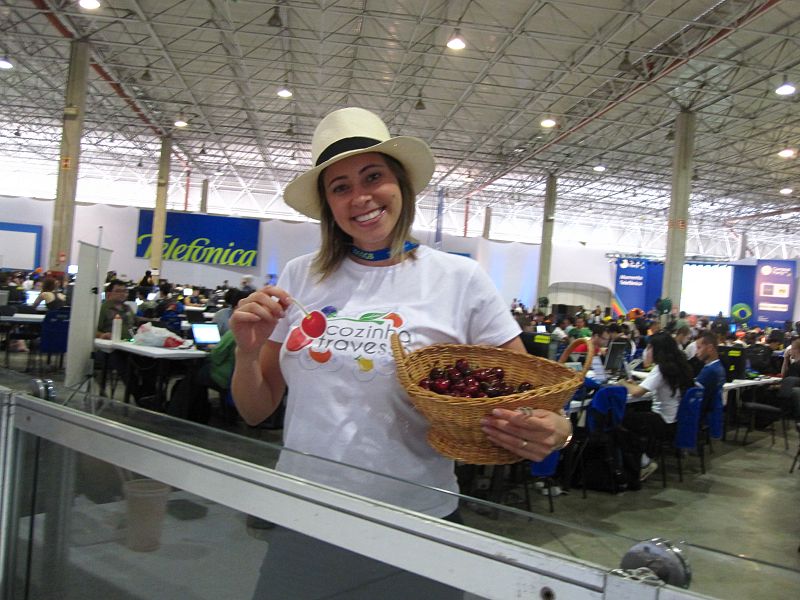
[[5, 63], [89, 4], [785, 89], [786, 191], [548, 122], [181, 121], [598, 168], [285, 92], [456, 42], [788, 153]]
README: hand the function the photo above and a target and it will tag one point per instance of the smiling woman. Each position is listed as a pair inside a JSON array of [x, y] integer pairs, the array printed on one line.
[[369, 279]]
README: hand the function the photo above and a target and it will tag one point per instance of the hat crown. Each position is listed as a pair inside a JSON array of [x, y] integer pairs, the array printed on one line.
[[347, 123]]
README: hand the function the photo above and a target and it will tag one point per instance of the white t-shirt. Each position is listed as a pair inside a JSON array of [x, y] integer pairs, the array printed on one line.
[[665, 402], [690, 350], [345, 402]]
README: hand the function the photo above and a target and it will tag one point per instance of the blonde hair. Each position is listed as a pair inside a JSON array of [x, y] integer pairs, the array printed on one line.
[[336, 244]]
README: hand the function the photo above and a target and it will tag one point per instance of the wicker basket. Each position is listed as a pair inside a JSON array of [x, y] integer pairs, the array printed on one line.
[[455, 422]]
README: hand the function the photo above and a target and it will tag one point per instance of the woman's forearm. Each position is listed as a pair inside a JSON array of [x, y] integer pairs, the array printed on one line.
[[252, 393]]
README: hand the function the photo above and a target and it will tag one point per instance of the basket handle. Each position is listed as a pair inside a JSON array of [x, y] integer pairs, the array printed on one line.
[[587, 363], [397, 348]]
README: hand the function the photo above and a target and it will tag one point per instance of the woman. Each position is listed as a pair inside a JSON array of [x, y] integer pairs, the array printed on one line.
[[668, 381], [368, 279], [50, 295]]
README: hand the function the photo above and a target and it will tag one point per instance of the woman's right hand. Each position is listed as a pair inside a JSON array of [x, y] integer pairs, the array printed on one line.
[[255, 317]]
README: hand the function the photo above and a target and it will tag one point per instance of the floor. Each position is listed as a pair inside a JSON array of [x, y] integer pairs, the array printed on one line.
[[737, 524]]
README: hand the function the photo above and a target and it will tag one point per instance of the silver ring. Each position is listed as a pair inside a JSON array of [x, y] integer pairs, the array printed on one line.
[[525, 410], [523, 444]]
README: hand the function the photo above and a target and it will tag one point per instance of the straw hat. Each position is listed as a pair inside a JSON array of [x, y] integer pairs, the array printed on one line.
[[347, 132]]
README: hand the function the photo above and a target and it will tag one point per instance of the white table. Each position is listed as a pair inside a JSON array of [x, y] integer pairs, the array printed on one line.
[[23, 318], [160, 355]]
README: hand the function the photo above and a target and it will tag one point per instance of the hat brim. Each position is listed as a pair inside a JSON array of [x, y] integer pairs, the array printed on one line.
[[413, 153]]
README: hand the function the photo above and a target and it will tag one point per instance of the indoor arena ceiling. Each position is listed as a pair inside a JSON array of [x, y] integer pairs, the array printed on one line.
[[613, 74]]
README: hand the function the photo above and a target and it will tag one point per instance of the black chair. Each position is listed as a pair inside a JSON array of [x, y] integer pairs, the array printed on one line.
[[760, 357], [796, 456], [764, 415], [54, 334]]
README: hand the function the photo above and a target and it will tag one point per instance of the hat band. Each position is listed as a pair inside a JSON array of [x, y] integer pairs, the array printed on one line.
[[345, 145]]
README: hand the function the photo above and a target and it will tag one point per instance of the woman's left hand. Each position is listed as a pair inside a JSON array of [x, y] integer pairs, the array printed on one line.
[[533, 435]]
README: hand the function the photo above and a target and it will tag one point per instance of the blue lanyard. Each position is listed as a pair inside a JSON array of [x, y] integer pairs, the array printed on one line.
[[378, 255]]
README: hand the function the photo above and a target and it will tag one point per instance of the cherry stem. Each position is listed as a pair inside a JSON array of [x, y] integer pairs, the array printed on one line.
[[300, 306]]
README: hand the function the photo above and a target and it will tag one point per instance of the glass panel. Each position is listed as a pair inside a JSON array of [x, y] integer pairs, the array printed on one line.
[[101, 532], [730, 527]]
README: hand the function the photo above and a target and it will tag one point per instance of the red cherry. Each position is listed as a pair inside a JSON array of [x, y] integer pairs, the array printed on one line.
[[440, 386], [425, 383], [462, 365], [297, 340], [313, 324], [498, 372], [454, 374]]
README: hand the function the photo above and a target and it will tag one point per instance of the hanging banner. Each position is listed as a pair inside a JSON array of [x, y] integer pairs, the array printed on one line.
[[630, 289], [774, 292], [195, 238]]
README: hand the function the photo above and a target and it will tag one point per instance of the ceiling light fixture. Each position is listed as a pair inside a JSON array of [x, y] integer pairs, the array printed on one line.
[[788, 153], [139, 164], [17, 133], [420, 105], [275, 19], [89, 4], [5, 63], [548, 122], [293, 158], [625, 64], [456, 42], [146, 76], [786, 191], [599, 168], [786, 88], [181, 121], [284, 91], [203, 151]]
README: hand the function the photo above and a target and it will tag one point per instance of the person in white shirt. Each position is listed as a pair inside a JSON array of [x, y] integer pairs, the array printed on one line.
[[559, 333], [344, 403], [668, 381]]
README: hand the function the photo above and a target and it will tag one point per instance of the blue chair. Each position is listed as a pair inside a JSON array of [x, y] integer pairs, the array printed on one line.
[[604, 417], [545, 471], [54, 335], [687, 433]]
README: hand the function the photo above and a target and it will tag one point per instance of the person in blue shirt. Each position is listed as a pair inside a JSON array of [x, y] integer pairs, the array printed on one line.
[[712, 378]]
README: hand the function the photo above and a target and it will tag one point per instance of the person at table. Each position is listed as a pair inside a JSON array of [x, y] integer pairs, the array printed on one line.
[[169, 309], [223, 315], [791, 360], [668, 381], [114, 304], [352, 409], [52, 298], [711, 376], [195, 299], [147, 281]]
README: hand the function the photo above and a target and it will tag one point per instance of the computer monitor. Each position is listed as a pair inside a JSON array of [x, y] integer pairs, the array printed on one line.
[[733, 359], [152, 296], [187, 291], [615, 357], [31, 296], [537, 344], [732, 328], [205, 334], [72, 270], [760, 358], [541, 329]]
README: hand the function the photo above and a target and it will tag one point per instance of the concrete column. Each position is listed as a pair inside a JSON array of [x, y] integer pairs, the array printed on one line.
[[487, 222], [160, 213], [71, 132], [679, 207], [546, 252], [204, 197]]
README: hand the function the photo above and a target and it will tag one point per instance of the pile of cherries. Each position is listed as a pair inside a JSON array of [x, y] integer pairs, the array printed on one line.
[[462, 381]]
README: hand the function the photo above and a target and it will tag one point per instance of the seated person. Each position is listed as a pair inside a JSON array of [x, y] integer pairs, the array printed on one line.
[[114, 304], [711, 376], [195, 299], [223, 315], [668, 381], [52, 298], [146, 308], [791, 360], [169, 309]]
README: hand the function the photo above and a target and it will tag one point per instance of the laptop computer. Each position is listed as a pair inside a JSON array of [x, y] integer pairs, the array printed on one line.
[[205, 335], [4, 294]]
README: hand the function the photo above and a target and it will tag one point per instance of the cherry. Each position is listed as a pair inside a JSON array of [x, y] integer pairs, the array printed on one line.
[[462, 365], [425, 383], [440, 386], [524, 386], [437, 373], [313, 324], [498, 372], [454, 374], [297, 340]]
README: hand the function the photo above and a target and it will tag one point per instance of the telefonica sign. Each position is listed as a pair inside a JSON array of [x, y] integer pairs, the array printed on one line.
[[202, 239]]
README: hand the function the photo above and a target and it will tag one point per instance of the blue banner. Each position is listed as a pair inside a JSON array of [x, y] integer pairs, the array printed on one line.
[[631, 284], [774, 292], [194, 238]]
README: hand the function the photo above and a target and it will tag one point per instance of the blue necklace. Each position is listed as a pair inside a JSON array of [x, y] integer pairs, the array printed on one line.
[[378, 255]]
